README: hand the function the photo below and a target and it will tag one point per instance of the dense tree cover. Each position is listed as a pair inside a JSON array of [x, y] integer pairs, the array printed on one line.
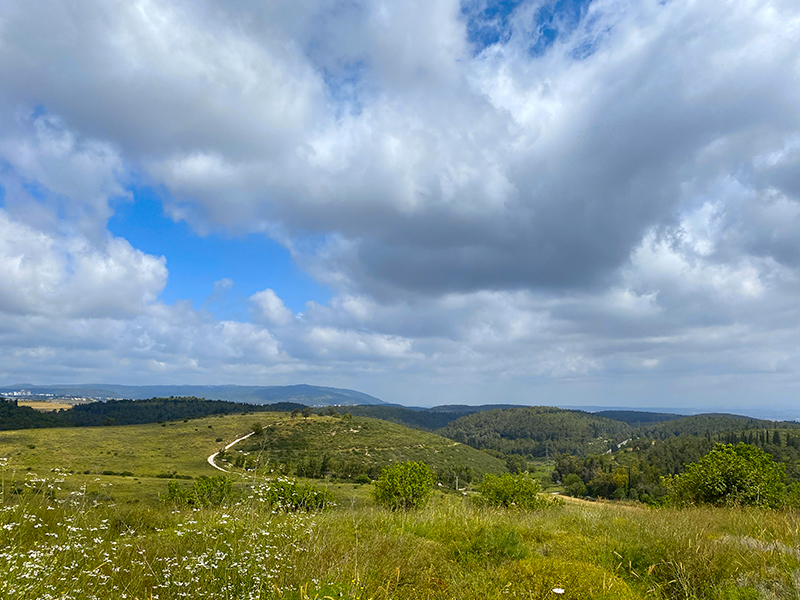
[[635, 471], [429, 419], [129, 412], [13, 416], [423, 419], [537, 431], [636, 417], [709, 424]]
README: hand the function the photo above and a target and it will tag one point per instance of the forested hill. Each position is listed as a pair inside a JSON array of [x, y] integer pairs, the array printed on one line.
[[709, 424], [128, 412], [134, 412], [637, 417], [429, 419], [537, 431], [24, 417]]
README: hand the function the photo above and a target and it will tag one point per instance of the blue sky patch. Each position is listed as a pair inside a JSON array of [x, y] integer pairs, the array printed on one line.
[[253, 262]]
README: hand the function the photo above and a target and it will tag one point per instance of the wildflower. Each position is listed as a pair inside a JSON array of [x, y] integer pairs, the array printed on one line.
[[558, 590]]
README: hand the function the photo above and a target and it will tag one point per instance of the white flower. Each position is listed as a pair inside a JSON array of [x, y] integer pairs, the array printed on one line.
[[558, 590]]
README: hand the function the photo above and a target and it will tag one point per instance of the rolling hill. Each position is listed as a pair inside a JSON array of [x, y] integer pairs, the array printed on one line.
[[345, 447], [538, 431]]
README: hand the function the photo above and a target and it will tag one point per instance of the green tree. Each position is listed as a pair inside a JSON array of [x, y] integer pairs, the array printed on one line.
[[520, 491], [574, 486], [516, 463], [729, 475], [404, 485]]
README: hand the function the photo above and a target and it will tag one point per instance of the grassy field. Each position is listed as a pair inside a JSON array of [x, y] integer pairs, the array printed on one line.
[[45, 406], [82, 455], [70, 535]]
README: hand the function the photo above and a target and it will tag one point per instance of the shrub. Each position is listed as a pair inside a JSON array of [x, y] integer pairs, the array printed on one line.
[[205, 491], [404, 485], [286, 495], [520, 491], [729, 475]]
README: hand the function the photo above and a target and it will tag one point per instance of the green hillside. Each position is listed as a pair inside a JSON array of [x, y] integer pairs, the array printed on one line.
[[709, 424], [538, 431], [346, 447], [637, 417]]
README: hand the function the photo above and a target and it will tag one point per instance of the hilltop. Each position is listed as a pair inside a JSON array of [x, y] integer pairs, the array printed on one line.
[[345, 447]]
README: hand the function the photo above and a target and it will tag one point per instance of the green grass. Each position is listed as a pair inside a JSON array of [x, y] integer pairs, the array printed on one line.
[[109, 537], [146, 451], [355, 446], [71, 550]]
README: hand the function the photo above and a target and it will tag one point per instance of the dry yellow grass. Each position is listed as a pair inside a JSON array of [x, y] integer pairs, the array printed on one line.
[[45, 406]]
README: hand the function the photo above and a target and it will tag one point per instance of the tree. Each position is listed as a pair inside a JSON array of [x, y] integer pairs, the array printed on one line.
[[729, 475], [520, 491], [404, 485], [574, 486], [516, 464]]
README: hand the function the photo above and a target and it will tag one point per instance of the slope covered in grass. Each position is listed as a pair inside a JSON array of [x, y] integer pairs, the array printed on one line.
[[345, 447]]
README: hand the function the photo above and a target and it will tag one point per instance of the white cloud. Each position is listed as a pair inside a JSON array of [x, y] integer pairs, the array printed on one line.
[[67, 275], [622, 201]]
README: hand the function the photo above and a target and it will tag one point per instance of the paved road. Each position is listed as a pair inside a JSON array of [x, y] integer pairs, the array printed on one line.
[[228, 447]]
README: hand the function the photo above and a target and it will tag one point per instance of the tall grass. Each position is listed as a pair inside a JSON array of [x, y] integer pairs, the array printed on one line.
[[74, 547]]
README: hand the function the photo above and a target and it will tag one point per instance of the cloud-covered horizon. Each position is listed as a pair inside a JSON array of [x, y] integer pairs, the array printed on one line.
[[579, 202]]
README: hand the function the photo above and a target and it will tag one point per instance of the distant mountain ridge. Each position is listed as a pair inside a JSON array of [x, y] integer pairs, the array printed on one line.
[[310, 395]]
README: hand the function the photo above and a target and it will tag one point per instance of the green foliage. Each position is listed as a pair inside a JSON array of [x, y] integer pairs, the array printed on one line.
[[740, 475], [574, 486], [537, 431], [154, 410], [287, 495], [404, 485], [520, 491], [13, 416], [709, 423], [516, 464], [205, 491]]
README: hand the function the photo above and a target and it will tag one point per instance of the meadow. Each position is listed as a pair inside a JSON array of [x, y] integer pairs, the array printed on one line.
[[68, 534]]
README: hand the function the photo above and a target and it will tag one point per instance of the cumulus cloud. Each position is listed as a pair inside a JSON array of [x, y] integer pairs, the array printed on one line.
[[521, 192], [269, 307], [67, 275]]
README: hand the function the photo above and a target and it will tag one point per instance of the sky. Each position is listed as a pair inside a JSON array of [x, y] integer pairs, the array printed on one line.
[[536, 202]]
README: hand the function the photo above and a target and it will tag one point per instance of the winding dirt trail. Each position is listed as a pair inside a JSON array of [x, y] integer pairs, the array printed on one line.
[[228, 447]]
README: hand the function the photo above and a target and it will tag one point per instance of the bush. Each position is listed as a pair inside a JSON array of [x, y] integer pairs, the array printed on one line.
[[286, 495], [729, 475], [205, 491], [404, 485], [520, 491]]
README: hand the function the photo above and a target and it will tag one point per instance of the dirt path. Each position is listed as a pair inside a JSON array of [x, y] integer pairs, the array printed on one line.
[[228, 447]]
